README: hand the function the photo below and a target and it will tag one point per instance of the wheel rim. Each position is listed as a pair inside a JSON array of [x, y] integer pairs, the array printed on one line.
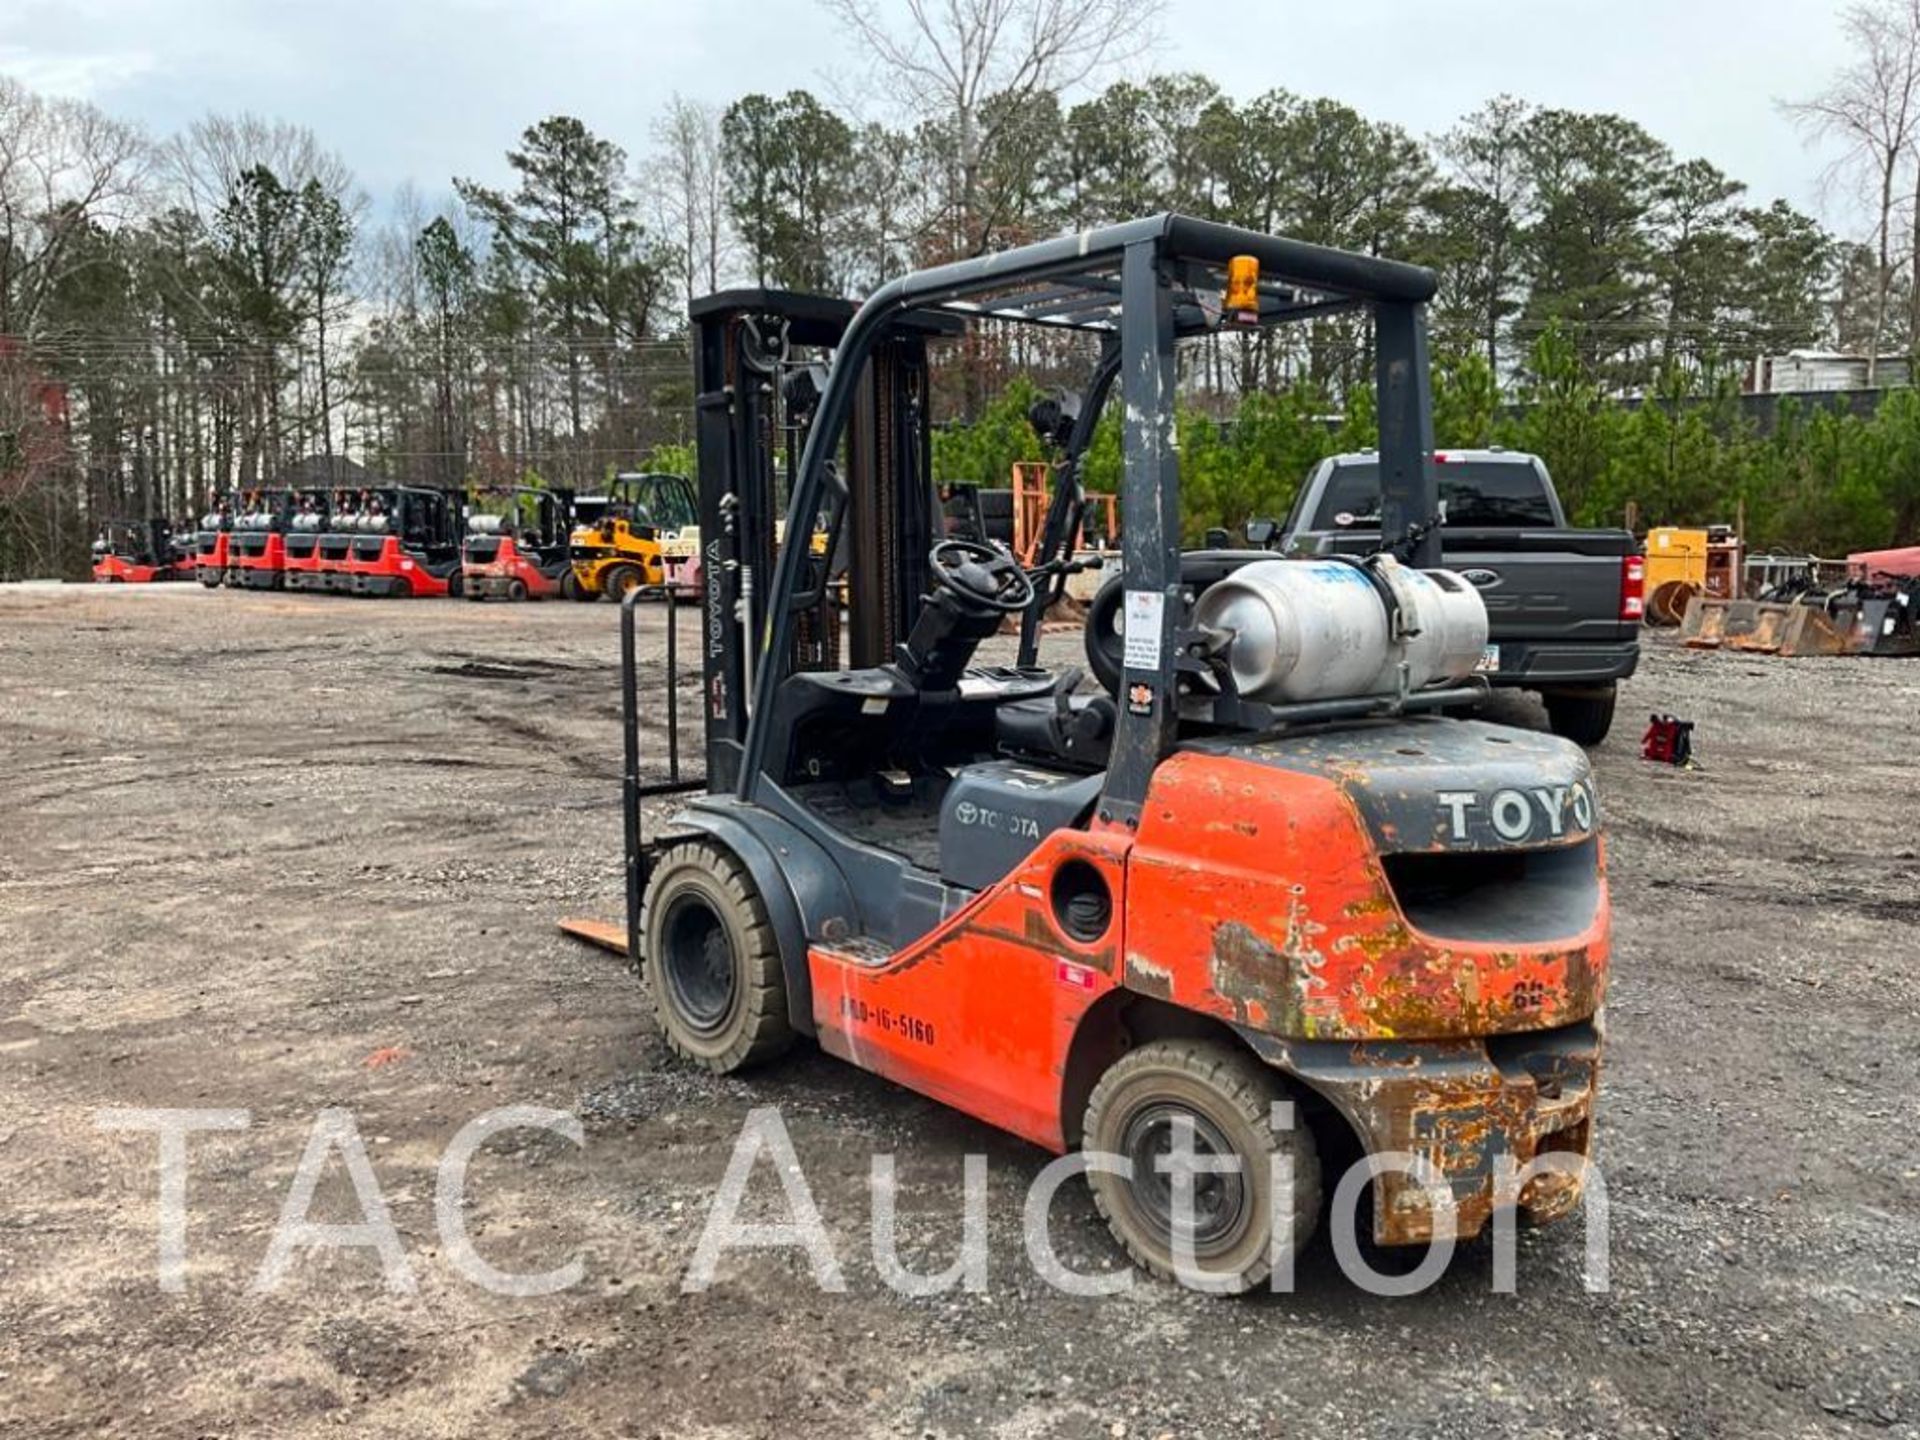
[[697, 963], [1220, 1201]]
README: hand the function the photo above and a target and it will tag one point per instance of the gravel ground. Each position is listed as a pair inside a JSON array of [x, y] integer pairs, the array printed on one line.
[[279, 855]]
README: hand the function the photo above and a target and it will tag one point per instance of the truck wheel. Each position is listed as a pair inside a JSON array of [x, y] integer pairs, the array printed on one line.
[[712, 960], [621, 581], [1227, 1096], [1582, 716]]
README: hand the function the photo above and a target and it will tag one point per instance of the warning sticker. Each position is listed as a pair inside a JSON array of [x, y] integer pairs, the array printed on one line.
[[1144, 609]]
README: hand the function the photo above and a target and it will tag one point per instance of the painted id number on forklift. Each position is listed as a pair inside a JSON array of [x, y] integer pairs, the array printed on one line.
[[893, 1022]]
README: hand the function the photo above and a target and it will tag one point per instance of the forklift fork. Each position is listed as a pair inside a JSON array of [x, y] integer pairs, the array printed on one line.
[[633, 789]]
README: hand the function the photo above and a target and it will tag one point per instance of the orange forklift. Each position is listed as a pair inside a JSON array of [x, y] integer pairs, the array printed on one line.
[[406, 543], [518, 545], [1270, 865], [270, 525], [332, 567], [311, 520], [140, 552], [213, 543]]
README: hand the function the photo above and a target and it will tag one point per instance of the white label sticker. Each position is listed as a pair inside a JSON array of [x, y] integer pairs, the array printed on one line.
[[1144, 609]]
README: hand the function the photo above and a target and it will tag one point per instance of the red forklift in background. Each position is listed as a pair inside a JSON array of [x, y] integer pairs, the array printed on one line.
[[1266, 871], [312, 517], [256, 548], [407, 543], [519, 545], [333, 555], [258, 553], [213, 543], [140, 552]]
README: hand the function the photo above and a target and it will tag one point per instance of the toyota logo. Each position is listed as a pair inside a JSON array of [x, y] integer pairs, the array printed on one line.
[[1481, 579]]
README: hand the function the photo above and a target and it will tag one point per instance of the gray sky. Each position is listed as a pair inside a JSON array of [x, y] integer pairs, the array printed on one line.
[[427, 89]]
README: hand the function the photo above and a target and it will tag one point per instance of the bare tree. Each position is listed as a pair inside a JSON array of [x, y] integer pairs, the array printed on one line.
[[64, 166], [688, 187], [1872, 107], [392, 271], [206, 160], [973, 68]]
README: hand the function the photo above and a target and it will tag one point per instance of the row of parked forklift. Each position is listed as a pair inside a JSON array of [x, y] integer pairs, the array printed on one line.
[[515, 542]]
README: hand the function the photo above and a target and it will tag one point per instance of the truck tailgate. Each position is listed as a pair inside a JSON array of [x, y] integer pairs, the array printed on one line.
[[1557, 585]]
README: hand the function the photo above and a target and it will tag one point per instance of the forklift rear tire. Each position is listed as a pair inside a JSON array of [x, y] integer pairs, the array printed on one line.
[[516, 589], [1582, 716], [621, 581], [713, 961], [456, 585], [1228, 1096]]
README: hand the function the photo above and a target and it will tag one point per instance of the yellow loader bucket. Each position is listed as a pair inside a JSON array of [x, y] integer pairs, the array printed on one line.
[[1810, 630], [1767, 627], [1711, 622]]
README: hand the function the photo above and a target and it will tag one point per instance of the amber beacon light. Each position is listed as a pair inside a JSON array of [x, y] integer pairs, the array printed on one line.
[[1242, 300]]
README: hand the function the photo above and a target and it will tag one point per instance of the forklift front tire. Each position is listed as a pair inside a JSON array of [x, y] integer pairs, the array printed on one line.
[[713, 961], [1582, 716], [1137, 1113], [572, 589]]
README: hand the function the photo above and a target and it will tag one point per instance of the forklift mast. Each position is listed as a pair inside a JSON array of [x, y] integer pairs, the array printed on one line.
[[755, 400]]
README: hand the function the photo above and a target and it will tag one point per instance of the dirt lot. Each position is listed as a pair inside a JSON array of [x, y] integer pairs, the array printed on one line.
[[282, 855]]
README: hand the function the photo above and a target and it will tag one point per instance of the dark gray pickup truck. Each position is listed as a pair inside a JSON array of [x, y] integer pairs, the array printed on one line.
[[1564, 605]]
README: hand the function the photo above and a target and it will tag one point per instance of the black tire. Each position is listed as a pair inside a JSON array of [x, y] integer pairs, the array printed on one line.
[[620, 581], [456, 585], [1105, 642], [712, 960], [1106, 646], [516, 589], [572, 589], [1583, 717], [1228, 1095]]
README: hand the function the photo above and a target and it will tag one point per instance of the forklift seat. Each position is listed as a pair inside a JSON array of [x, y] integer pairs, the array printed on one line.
[[838, 724], [1074, 731]]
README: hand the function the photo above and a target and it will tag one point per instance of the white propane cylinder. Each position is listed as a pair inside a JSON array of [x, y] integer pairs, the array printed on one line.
[[1317, 629], [1450, 617]]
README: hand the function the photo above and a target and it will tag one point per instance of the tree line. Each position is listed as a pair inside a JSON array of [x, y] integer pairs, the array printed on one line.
[[186, 316], [1821, 479]]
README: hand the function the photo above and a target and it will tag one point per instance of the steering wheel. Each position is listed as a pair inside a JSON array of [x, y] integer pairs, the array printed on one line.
[[981, 577]]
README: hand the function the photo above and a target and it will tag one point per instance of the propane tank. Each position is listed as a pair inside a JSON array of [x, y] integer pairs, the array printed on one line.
[[1318, 629]]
